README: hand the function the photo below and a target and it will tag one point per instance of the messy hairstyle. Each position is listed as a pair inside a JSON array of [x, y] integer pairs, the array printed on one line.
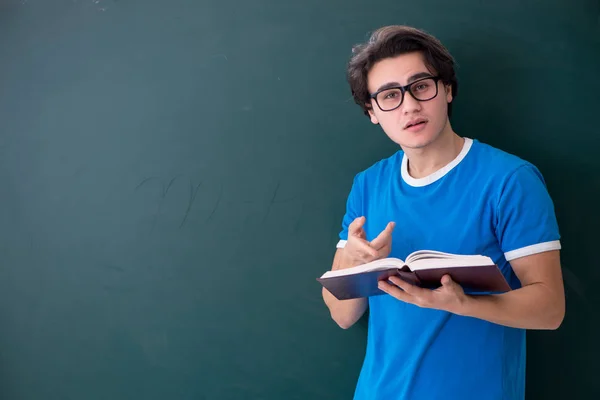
[[391, 41]]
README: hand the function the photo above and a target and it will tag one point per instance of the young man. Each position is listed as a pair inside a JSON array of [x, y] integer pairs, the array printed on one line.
[[449, 193]]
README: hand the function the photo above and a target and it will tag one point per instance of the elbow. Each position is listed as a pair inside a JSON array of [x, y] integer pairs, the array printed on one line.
[[346, 318], [555, 323], [345, 313], [343, 321], [557, 315], [557, 318]]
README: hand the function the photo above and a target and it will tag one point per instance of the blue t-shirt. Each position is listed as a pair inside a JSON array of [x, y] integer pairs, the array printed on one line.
[[484, 202]]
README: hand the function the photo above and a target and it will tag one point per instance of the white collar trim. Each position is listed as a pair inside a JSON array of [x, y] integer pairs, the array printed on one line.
[[429, 179]]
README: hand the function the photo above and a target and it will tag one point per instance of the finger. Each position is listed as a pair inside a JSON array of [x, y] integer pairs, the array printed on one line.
[[384, 236], [407, 287], [368, 252], [395, 292], [419, 296], [355, 227], [384, 251]]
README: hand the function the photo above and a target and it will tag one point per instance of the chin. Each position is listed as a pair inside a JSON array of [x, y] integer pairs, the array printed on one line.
[[414, 141]]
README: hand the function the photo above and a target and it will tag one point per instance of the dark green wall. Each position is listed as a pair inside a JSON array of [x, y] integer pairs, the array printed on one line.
[[173, 176]]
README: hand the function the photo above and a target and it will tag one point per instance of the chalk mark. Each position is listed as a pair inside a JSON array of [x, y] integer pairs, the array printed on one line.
[[272, 201], [220, 55], [162, 200], [78, 172], [115, 267], [216, 205], [144, 182], [193, 193]]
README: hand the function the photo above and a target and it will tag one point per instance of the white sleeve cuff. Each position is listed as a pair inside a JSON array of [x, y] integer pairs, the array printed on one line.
[[533, 249]]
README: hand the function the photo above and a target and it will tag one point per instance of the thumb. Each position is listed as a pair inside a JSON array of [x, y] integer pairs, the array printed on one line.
[[447, 281]]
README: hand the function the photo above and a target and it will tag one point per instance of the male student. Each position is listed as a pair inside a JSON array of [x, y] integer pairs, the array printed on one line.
[[450, 193]]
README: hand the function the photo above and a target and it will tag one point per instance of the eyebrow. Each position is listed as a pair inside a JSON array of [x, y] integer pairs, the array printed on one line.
[[419, 76], [412, 78]]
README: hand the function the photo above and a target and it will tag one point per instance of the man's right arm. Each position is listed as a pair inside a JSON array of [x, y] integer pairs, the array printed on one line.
[[344, 312], [357, 251]]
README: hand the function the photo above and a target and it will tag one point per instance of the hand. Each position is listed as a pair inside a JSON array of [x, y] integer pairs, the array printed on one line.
[[448, 297], [359, 251]]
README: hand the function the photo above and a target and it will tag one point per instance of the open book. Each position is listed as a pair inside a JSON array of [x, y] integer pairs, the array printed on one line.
[[423, 268]]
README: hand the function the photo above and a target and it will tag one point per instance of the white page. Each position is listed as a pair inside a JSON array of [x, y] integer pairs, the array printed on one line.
[[430, 254], [464, 261], [377, 265]]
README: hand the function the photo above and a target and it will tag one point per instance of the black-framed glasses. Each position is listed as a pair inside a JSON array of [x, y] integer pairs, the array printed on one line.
[[389, 99]]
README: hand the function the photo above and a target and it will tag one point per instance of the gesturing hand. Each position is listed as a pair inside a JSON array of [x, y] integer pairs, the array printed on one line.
[[359, 251]]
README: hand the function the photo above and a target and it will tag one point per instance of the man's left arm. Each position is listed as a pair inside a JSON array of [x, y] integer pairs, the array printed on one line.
[[528, 234], [538, 304]]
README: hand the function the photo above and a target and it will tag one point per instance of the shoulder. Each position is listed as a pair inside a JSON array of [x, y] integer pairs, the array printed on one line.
[[511, 183], [501, 166], [382, 169]]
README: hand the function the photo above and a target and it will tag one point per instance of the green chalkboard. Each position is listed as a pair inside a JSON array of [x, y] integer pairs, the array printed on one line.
[[173, 176]]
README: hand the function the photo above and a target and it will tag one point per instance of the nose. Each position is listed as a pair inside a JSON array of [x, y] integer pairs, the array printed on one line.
[[410, 104]]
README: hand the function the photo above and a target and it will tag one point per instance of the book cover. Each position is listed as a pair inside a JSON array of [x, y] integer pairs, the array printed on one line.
[[476, 274]]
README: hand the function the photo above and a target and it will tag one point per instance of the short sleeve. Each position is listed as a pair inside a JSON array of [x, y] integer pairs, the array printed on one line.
[[353, 210], [526, 221]]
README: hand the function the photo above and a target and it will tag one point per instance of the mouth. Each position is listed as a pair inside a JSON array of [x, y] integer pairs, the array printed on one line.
[[415, 124]]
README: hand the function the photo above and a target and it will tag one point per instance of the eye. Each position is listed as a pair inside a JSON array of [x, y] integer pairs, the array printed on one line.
[[421, 86]]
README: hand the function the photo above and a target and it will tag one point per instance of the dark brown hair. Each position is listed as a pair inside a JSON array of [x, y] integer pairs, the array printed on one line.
[[391, 41]]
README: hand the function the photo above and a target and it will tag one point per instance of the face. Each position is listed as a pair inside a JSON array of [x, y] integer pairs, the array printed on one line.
[[397, 124]]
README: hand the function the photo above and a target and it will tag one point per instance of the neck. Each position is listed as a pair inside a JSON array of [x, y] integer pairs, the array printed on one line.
[[437, 154]]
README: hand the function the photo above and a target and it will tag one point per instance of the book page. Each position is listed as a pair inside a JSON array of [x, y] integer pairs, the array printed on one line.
[[449, 262], [378, 265], [424, 254]]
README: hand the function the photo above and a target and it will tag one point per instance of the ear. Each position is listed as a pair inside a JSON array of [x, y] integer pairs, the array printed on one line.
[[448, 93], [374, 119]]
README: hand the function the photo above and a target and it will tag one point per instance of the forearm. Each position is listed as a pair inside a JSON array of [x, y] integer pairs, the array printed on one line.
[[345, 312], [534, 306]]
